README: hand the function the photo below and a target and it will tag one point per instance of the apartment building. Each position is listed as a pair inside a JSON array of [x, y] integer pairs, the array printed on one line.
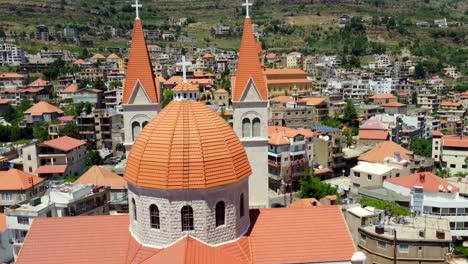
[[17, 186], [11, 80], [328, 151], [11, 55], [96, 128], [450, 151], [429, 101], [406, 240], [61, 200], [283, 81], [56, 158], [367, 174]]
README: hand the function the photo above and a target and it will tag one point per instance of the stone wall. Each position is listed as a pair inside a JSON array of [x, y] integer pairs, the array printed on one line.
[[203, 203]]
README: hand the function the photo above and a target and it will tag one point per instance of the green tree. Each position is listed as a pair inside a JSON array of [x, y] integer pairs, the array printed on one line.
[[167, 98], [350, 114], [10, 114], [348, 134], [70, 129], [419, 71], [414, 98], [94, 159], [422, 147], [392, 208], [332, 122], [442, 173], [312, 187], [40, 130]]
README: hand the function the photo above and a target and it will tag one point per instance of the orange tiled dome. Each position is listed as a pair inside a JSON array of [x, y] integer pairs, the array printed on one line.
[[187, 146]]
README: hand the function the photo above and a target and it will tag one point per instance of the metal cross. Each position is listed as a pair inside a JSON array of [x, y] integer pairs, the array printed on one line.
[[184, 65], [247, 4], [136, 6]]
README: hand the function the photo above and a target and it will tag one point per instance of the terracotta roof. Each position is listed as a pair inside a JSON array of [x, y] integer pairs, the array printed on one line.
[[455, 141], [211, 150], [207, 56], [42, 108], [4, 101], [393, 104], [10, 75], [278, 138], [385, 150], [373, 134], [102, 177], [374, 123], [66, 118], [248, 66], [313, 100], [271, 56], [2, 222], [443, 121], [185, 87], [140, 68], [14, 179], [72, 88], [284, 71], [39, 82], [65, 143], [437, 133], [291, 81], [450, 104], [307, 132], [427, 180], [221, 91], [161, 79], [51, 169], [322, 171], [97, 57], [113, 56], [282, 99], [295, 53], [79, 61], [305, 203], [383, 96]]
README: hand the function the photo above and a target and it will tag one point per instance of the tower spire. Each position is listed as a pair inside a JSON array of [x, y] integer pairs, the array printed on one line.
[[137, 6]]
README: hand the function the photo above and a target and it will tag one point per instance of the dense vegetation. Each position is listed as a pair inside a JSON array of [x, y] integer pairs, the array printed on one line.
[[392, 208], [312, 187]]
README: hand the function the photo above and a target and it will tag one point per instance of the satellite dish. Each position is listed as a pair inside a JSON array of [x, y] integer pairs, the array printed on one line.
[[441, 188], [449, 188]]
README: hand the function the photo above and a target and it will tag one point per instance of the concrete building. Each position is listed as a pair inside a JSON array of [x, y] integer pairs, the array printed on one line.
[[450, 151], [42, 111], [283, 81], [42, 33], [113, 98], [17, 186], [294, 60], [328, 152], [11, 55], [406, 240], [357, 216], [56, 158], [367, 174], [428, 101], [289, 112], [11, 80], [6, 251], [89, 95], [96, 128], [221, 98], [62, 200]]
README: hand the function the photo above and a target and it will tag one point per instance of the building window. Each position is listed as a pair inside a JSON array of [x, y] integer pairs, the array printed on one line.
[[135, 130], [246, 127], [23, 220], [436, 148], [154, 216], [220, 213], [356, 185], [369, 177], [403, 248], [357, 174], [187, 218], [29, 156], [241, 206], [381, 244], [30, 169], [453, 166], [144, 124], [256, 127], [363, 237], [134, 210]]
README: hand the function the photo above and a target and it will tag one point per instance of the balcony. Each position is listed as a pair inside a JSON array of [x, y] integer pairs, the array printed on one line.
[[338, 155], [274, 163]]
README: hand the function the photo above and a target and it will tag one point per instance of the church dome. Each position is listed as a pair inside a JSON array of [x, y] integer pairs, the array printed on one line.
[[187, 146]]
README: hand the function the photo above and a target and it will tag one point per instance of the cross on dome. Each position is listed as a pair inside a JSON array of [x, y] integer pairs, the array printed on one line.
[[184, 65], [247, 5], [137, 6]]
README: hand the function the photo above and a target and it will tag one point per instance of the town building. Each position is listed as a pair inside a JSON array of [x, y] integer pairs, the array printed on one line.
[[42, 111], [42, 33], [56, 158], [221, 98], [6, 251], [17, 186], [61, 200], [381, 99], [294, 60], [429, 101], [406, 240], [328, 152], [11, 55], [289, 112], [96, 128], [395, 108], [357, 216], [11, 80], [373, 132], [367, 174], [283, 82], [450, 151], [88, 95], [100, 176]]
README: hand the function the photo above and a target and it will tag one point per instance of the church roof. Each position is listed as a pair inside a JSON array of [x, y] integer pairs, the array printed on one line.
[[140, 68], [248, 66], [187, 146], [316, 234]]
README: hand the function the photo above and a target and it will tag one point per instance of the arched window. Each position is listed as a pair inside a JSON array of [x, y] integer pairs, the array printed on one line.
[[220, 216], [144, 124], [135, 130], [256, 127], [154, 216], [134, 209], [187, 218], [245, 127], [241, 205]]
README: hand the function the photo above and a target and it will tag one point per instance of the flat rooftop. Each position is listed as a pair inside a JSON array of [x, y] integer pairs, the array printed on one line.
[[373, 168]]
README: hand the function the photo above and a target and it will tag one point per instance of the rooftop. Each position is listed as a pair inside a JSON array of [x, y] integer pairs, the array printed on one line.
[[427, 180], [41, 108], [383, 96], [102, 177], [387, 149], [14, 179], [455, 141], [373, 134], [65, 143], [325, 129], [374, 168]]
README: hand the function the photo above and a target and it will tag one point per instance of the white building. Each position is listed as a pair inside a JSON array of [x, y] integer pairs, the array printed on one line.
[[451, 151], [11, 55], [367, 174]]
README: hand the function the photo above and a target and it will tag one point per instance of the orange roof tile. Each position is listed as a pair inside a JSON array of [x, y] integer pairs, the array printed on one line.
[[211, 150], [113, 56], [455, 141], [4, 101], [284, 72], [72, 88], [322, 171], [65, 143], [248, 66], [436, 133], [387, 149], [282, 99], [161, 79], [51, 169], [14, 179], [102, 177], [97, 57], [185, 87], [271, 56], [2, 222], [383, 96], [450, 104], [313, 100], [290, 81], [10, 75], [221, 91], [42, 108], [278, 138], [373, 134], [79, 61], [427, 180], [140, 68], [39, 82], [305, 203], [394, 104]]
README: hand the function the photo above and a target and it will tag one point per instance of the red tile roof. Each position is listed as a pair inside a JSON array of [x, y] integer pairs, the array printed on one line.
[[393, 104], [387, 149], [305, 203], [2, 222], [313, 100], [10, 75], [97, 56], [51, 169], [284, 72], [282, 99], [14, 179], [72, 88], [427, 180], [212, 151], [102, 177], [248, 66], [455, 141], [140, 68], [436, 133], [374, 123], [39, 82], [373, 134], [43, 108], [4, 101], [290, 81], [66, 118], [65, 143], [185, 87], [450, 104], [383, 96], [221, 91]]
